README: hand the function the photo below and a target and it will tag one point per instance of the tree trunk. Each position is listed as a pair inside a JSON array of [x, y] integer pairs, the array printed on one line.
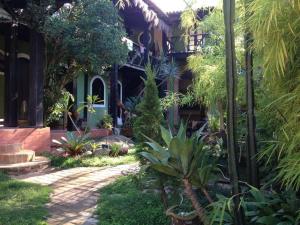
[[197, 206], [207, 195], [229, 17], [252, 167]]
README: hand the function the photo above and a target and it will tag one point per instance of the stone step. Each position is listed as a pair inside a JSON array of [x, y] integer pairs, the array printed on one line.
[[38, 164], [17, 157], [10, 148]]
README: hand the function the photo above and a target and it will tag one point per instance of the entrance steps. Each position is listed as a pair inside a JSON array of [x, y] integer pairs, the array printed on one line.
[[15, 160]]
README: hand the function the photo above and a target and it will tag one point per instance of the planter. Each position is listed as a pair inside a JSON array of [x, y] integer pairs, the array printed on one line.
[[127, 132], [189, 218]]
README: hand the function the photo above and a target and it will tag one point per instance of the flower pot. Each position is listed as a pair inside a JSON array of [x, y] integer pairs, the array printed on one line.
[[127, 132], [185, 218]]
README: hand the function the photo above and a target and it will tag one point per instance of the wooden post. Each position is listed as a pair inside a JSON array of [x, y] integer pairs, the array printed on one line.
[[114, 94], [146, 43], [11, 95], [36, 79], [229, 18], [85, 94]]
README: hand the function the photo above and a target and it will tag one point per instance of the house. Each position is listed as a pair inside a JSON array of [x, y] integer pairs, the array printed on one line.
[[147, 28], [151, 33]]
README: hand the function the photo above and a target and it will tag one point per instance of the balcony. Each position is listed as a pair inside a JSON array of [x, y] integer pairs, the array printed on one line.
[[186, 44], [137, 55]]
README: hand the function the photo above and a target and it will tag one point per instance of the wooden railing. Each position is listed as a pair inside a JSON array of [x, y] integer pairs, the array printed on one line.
[[136, 54], [186, 43]]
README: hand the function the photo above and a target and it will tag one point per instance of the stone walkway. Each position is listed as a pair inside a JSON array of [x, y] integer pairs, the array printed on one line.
[[75, 192]]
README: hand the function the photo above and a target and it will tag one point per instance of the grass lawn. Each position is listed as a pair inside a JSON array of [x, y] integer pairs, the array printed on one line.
[[22, 203], [91, 161], [123, 203]]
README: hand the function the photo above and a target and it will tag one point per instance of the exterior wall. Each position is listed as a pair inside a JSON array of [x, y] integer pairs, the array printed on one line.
[[36, 139], [93, 118], [2, 94]]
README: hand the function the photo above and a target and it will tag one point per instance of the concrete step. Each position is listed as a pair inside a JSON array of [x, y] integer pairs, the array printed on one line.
[[10, 148], [17, 157], [38, 164]]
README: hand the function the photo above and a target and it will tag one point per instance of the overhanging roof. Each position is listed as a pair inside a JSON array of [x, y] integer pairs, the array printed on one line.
[[152, 14]]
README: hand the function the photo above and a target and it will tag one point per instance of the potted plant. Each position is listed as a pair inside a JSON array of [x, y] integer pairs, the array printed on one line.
[[180, 217], [186, 159]]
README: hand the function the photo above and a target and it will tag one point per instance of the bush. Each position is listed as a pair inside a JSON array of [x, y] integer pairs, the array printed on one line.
[[149, 112], [106, 122], [73, 144]]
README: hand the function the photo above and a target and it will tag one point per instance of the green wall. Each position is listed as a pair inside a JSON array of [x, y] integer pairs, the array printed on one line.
[[93, 118]]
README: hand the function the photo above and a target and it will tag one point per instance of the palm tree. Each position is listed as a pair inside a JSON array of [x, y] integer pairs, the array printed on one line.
[[229, 16]]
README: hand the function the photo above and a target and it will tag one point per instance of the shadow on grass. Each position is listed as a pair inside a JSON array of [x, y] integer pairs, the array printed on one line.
[[22, 203]]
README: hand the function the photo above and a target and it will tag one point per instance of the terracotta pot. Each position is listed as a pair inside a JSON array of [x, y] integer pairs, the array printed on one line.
[[190, 219], [127, 132]]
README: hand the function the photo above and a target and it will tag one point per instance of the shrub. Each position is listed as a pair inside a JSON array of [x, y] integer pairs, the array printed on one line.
[[106, 122], [73, 144], [115, 150], [149, 112]]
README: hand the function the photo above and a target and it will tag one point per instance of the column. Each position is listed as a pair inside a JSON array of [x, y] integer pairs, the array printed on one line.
[[114, 94], [36, 78], [11, 95]]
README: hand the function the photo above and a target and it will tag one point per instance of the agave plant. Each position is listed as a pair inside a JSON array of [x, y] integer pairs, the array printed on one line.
[[73, 144], [183, 158]]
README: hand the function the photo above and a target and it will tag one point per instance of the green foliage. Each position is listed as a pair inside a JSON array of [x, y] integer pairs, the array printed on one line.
[[106, 122], [131, 103], [92, 161], [270, 208], [22, 203], [208, 67], [73, 144], [61, 107], [276, 28], [83, 37], [183, 157], [123, 203], [149, 112], [115, 150]]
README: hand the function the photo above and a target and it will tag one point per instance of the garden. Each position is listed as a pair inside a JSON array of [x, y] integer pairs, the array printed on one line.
[[242, 166]]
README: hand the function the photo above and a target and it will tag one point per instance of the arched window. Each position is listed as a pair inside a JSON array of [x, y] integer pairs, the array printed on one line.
[[120, 91], [98, 88]]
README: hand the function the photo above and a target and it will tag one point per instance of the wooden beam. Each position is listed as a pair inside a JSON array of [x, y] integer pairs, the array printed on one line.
[[11, 95], [36, 79]]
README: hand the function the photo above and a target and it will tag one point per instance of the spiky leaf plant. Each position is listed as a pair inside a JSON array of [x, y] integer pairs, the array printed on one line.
[[183, 158]]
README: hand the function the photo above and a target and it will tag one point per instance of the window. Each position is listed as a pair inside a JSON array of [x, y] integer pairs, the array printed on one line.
[[97, 88]]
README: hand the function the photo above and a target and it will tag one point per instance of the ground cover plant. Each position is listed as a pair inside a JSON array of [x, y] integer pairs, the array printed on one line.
[[124, 203], [92, 161], [22, 203]]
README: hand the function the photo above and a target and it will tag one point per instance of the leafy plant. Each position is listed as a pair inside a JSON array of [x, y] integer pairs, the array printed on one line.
[[106, 122], [73, 144], [149, 113], [115, 150], [183, 158], [269, 207]]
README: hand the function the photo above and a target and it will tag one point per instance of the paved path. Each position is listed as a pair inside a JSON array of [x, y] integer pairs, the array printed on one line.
[[75, 192]]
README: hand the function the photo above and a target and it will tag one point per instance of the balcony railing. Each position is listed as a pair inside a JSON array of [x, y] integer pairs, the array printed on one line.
[[186, 43], [136, 54]]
